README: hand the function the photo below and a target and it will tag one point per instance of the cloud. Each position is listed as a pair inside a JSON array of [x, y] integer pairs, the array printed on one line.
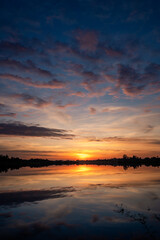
[[134, 83], [24, 230], [8, 114], [6, 215], [22, 129], [98, 92], [113, 52], [28, 154], [52, 84], [125, 140], [155, 141], [95, 218], [139, 15], [115, 109], [61, 49], [15, 48], [31, 100], [67, 105], [149, 128], [67, 225], [4, 111], [111, 109], [123, 185], [79, 70], [78, 94], [129, 80], [152, 70], [132, 90], [28, 67], [87, 40], [90, 78], [20, 197], [92, 110]]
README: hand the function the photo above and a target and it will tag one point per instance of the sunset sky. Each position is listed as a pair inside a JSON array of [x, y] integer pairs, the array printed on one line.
[[79, 79]]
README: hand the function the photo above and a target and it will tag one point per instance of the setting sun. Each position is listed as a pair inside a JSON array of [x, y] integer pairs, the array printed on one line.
[[83, 156]]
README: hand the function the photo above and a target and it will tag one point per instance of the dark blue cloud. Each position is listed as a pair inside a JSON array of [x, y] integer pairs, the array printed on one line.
[[22, 129]]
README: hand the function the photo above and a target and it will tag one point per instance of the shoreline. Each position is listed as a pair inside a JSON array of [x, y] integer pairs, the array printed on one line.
[[11, 163]]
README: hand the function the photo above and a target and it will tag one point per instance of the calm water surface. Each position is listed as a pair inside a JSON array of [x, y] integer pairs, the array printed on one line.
[[80, 202]]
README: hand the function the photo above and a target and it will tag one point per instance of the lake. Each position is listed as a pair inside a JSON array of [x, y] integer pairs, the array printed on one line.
[[80, 202]]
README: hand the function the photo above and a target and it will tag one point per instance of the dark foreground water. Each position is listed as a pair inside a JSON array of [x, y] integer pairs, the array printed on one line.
[[80, 202]]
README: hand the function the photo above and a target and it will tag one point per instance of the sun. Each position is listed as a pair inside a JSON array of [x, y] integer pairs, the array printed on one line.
[[83, 156]]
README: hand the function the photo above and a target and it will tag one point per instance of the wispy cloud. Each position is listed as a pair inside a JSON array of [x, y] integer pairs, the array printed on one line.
[[31, 100], [5, 111], [53, 84], [27, 67], [125, 140], [11, 48]]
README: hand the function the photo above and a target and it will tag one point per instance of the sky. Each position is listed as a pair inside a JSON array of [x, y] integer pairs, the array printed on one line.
[[79, 79]]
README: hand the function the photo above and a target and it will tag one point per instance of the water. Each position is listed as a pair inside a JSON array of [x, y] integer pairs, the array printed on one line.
[[80, 202]]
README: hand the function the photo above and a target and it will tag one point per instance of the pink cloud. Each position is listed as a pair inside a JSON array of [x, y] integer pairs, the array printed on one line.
[[115, 110], [98, 93], [87, 40], [78, 94], [67, 105], [32, 100], [132, 91], [29, 82], [113, 52], [28, 67]]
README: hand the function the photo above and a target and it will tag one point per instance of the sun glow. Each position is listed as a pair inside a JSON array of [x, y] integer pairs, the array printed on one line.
[[83, 156]]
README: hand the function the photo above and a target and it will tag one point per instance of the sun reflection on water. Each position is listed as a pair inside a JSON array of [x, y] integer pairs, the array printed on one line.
[[83, 169]]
